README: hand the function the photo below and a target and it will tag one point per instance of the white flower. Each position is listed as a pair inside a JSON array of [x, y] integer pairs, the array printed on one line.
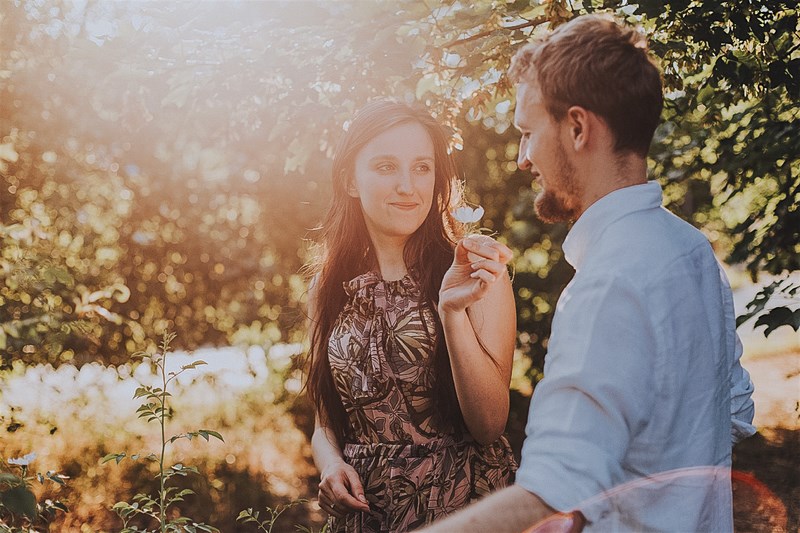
[[24, 460], [468, 215]]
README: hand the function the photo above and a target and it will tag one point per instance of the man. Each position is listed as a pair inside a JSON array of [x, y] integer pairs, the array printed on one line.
[[643, 392]]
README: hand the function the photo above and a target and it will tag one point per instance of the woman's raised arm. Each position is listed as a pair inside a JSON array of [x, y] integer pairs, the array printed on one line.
[[476, 307]]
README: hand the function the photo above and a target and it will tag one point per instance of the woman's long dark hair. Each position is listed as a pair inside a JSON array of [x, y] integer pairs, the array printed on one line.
[[345, 251]]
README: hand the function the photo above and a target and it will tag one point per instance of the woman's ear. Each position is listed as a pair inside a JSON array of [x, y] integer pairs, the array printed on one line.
[[352, 190]]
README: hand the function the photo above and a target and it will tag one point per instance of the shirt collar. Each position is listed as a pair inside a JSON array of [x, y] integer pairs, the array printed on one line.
[[603, 212]]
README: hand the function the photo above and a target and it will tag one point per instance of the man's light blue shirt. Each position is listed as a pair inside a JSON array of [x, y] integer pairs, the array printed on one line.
[[643, 393]]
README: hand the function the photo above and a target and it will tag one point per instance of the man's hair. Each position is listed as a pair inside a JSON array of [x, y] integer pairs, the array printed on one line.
[[601, 64]]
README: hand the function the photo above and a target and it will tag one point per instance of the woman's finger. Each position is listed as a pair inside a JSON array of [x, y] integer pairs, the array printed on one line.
[[346, 501], [485, 246], [332, 510], [357, 490], [494, 267], [485, 251], [484, 276]]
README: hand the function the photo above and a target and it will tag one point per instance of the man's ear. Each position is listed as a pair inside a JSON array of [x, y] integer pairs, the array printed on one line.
[[579, 124]]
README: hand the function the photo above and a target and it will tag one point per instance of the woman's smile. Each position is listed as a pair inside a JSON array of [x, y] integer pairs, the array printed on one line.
[[405, 206]]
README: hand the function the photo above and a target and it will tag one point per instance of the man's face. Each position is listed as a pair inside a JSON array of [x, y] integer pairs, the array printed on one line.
[[542, 151]]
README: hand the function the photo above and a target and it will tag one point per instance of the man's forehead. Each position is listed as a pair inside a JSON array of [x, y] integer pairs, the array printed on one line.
[[528, 95], [529, 92]]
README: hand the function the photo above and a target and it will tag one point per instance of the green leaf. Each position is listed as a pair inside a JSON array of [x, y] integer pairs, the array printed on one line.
[[116, 456], [141, 391], [20, 500], [52, 476], [247, 513], [757, 304], [193, 365], [60, 506], [777, 317], [206, 432]]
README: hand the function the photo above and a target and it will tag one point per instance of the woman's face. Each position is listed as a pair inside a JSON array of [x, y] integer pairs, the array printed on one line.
[[394, 180]]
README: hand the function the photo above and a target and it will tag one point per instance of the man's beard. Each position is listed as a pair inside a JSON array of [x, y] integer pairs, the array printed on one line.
[[562, 203]]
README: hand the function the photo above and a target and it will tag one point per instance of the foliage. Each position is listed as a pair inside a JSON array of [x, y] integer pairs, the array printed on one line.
[[73, 416], [59, 261], [251, 516], [211, 128], [776, 316], [155, 408], [726, 152], [19, 508]]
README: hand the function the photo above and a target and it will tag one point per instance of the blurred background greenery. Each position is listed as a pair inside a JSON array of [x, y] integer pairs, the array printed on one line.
[[163, 165]]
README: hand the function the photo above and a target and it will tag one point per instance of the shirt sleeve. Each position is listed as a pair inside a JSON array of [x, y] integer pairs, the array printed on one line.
[[742, 407], [596, 394]]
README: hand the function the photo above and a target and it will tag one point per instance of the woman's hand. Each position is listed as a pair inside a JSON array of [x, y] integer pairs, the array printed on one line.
[[341, 491], [479, 262]]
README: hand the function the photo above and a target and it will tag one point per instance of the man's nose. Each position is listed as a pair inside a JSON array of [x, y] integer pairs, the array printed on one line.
[[523, 163]]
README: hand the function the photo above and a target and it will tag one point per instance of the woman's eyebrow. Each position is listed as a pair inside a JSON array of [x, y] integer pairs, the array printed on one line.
[[381, 157]]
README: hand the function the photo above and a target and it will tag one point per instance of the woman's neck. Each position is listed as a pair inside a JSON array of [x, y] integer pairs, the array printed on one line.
[[389, 255]]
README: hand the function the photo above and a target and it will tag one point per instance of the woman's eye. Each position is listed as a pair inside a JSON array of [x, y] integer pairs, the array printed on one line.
[[423, 168], [386, 167]]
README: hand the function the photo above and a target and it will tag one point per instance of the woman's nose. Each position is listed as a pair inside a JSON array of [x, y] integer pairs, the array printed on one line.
[[404, 183]]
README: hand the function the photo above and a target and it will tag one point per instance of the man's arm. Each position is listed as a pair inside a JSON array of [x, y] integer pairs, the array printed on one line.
[[742, 407], [597, 389], [511, 510]]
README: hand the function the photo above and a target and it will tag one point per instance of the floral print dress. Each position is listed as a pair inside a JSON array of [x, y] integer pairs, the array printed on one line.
[[414, 466]]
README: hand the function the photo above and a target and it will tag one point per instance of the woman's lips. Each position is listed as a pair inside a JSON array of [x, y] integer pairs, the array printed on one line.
[[407, 206]]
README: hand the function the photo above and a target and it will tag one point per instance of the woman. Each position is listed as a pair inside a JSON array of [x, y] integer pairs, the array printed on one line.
[[412, 336]]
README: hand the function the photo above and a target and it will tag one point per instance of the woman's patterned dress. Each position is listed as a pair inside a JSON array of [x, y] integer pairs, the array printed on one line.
[[413, 467]]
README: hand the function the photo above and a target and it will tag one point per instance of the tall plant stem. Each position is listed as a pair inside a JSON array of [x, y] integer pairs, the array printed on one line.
[[162, 419]]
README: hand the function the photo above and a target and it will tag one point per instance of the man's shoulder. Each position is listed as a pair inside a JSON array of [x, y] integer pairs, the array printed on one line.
[[646, 239]]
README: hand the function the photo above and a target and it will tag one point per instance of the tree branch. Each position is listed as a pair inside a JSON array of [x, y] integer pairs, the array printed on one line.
[[526, 24]]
